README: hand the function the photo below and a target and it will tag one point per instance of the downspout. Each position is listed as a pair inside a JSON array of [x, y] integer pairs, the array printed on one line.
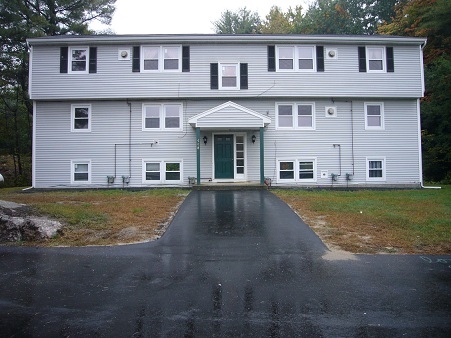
[[352, 137], [130, 139], [420, 159]]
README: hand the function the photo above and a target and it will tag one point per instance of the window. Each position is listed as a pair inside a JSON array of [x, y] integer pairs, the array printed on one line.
[[306, 58], [297, 58], [160, 58], [286, 58], [81, 171], [171, 58], [78, 60], [81, 118], [297, 170], [374, 116], [150, 58], [162, 117], [226, 76], [375, 169], [162, 171], [303, 118], [376, 59]]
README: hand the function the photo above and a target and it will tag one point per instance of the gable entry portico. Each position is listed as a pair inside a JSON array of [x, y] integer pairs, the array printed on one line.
[[229, 117]]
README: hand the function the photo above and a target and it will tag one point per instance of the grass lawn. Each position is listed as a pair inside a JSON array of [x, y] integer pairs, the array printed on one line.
[[102, 217], [377, 221]]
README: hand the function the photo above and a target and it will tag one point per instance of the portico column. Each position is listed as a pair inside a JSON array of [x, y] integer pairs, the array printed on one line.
[[262, 156], [198, 153]]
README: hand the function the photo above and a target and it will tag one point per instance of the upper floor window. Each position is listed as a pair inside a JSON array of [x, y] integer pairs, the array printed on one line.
[[376, 59], [81, 118], [79, 59], [228, 76], [162, 116], [296, 58], [295, 116], [374, 115], [161, 58]]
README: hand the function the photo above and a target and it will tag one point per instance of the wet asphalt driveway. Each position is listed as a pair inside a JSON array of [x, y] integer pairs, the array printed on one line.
[[232, 264]]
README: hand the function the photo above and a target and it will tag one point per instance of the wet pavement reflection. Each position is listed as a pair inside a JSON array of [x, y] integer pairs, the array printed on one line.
[[232, 264]]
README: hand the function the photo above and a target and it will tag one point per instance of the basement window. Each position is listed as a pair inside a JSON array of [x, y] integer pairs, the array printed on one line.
[[375, 169], [80, 171]]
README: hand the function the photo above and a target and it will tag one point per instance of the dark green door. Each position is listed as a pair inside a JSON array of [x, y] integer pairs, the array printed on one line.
[[223, 156]]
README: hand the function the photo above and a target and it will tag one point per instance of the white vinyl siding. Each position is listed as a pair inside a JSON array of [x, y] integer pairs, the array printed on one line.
[[374, 116], [296, 170], [295, 116], [80, 171], [161, 59], [162, 116], [162, 171], [375, 169], [115, 80], [81, 118]]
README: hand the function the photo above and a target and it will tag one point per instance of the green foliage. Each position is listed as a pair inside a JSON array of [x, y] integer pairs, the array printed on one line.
[[431, 19], [20, 20], [242, 21]]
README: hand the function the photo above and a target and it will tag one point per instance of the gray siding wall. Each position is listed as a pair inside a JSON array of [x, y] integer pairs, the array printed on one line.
[[114, 78], [55, 144]]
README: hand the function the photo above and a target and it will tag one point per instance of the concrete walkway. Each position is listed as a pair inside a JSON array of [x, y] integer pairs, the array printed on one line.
[[232, 264]]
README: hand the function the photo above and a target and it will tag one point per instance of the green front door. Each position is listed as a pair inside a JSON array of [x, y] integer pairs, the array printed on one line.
[[223, 156]]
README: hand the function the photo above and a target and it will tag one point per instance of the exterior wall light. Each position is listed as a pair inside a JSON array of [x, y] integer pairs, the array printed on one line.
[[253, 138], [205, 140]]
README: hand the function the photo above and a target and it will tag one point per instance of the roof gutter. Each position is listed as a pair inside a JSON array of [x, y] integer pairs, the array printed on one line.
[[223, 38]]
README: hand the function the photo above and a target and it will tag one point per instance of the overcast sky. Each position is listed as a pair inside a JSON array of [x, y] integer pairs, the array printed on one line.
[[183, 16]]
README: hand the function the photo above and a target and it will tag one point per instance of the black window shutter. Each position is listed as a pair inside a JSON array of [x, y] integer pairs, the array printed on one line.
[[214, 77], [136, 63], [243, 76], [93, 59], [271, 58], [64, 58], [362, 59], [390, 60], [185, 59], [319, 58]]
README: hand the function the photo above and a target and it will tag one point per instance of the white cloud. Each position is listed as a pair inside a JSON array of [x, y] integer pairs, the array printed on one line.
[[182, 17]]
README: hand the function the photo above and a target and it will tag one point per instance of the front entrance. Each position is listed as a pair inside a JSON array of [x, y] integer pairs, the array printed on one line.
[[224, 149]]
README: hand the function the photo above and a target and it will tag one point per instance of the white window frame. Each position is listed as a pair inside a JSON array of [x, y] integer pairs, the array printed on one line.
[[376, 179], [296, 58], [296, 162], [161, 59], [162, 116], [220, 75], [369, 70], [70, 60], [72, 118], [162, 179], [72, 171], [295, 116], [382, 124]]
